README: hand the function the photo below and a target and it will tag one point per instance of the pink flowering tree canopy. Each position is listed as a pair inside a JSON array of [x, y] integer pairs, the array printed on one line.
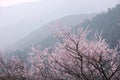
[[74, 57]]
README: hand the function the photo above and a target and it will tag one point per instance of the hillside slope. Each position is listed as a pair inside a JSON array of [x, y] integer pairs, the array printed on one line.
[[108, 23], [43, 34]]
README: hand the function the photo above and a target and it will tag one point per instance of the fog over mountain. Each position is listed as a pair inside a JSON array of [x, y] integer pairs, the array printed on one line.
[[19, 20], [44, 35]]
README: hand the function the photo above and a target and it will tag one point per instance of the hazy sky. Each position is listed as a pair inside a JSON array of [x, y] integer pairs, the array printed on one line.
[[5, 3]]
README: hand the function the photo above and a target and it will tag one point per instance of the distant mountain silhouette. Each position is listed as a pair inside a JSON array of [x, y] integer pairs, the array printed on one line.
[[19, 20], [107, 22], [43, 36]]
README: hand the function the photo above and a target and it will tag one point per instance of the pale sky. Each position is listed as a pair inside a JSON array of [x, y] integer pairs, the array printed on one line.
[[5, 3]]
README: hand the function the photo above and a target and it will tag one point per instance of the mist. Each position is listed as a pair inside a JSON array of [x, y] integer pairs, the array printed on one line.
[[19, 20]]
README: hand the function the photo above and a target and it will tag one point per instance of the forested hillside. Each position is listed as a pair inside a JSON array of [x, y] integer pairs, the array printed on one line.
[[43, 35], [108, 23]]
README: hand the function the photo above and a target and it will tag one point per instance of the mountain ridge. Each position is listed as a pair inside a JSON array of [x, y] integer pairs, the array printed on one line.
[[43, 32]]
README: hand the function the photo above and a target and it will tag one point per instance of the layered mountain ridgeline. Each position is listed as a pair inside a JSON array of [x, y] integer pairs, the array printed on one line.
[[19, 20], [108, 23], [43, 36]]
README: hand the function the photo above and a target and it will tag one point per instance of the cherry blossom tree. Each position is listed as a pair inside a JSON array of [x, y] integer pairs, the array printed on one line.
[[74, 57], [12, 68], [79, 58]]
